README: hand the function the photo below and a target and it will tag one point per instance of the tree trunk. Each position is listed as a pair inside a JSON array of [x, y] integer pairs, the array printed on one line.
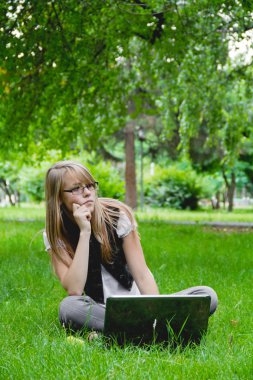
[[230, 190], [218, 200], [7, 191], [130, 171]]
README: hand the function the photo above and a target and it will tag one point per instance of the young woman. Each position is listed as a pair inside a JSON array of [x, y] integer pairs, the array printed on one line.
[[94, 247]]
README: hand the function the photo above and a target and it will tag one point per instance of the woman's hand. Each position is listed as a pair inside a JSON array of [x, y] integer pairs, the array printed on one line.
[[82, 217]]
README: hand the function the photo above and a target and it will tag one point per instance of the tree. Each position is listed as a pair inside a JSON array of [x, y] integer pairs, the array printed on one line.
[[69, 69], [212, 92], [9, 181]]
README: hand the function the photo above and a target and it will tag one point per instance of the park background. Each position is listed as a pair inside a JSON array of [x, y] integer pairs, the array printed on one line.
[[155, 97]]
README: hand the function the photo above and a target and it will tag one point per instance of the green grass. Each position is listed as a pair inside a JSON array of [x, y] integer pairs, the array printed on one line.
[[204, 215], [37, 212], [23, 212], [34, 346]]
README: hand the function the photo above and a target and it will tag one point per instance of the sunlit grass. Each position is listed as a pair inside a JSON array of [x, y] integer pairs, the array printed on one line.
[[205, 215], [37, 212], [34, 346], [23, 212]]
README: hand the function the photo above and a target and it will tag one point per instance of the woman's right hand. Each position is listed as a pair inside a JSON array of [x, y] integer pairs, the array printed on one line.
[[82, 217]]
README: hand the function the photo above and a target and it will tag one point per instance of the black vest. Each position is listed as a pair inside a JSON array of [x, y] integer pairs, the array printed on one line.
[[117, 267]]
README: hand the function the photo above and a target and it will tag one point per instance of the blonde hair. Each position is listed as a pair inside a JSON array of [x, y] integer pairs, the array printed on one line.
[[104, 217]]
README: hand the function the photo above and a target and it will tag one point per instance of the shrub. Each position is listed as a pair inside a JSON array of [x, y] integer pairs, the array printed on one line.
[[111, 184], [173, 187], [32, 183]]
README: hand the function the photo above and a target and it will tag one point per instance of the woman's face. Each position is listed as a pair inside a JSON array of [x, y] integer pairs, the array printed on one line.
[[68, 198]]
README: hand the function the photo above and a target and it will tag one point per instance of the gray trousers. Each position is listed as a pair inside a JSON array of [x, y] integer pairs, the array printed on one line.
[[77, 312]]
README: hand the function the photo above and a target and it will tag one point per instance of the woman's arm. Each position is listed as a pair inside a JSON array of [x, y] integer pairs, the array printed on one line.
[[73, 278], [137, 264]]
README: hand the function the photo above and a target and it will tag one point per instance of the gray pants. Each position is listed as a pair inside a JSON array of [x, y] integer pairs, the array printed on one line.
[[76, 312]]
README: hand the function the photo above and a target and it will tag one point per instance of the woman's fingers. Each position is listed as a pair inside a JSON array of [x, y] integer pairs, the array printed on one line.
[[75, 207], [81, 211]]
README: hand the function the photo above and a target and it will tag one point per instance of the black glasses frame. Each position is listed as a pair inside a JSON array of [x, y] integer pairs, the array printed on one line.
[[80, 189]]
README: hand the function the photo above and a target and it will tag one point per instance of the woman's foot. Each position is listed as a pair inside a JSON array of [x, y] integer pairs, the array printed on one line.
[[92, 335]]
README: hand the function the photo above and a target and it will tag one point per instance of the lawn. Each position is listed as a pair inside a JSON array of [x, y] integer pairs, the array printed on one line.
[[37, 212], [201, 215], [34, 346]]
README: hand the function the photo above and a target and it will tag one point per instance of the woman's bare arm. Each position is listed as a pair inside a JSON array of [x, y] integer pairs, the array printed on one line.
[[137, 264], [73, 277]]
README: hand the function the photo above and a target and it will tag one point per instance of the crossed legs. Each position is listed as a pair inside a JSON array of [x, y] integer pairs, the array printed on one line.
[[77, 312]]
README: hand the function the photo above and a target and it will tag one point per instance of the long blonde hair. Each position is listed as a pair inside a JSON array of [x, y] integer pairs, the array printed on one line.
[[105, 215]]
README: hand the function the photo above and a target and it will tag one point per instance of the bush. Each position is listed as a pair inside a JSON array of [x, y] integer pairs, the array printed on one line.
[[32, 183], [173, 187], [111, 184]]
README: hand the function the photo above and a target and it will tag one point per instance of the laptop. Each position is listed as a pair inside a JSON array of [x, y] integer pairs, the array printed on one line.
[[146, 319]]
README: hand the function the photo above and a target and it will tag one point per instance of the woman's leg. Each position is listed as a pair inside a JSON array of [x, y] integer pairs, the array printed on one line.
[[76, 312], [203, 290]]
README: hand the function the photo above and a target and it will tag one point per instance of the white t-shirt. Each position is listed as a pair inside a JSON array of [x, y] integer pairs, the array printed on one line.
[[110, 285]]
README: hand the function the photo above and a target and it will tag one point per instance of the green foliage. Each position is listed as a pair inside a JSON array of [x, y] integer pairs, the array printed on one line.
[[174, 187], [63, 63], [31, 183], [69, 71], [111, 184], [9, 180]]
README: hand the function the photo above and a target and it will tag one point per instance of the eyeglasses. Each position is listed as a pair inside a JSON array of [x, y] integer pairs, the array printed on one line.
[[80, 189]]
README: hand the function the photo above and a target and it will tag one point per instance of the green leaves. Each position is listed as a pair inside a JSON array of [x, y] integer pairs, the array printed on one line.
[[69, 69], [175, 187]]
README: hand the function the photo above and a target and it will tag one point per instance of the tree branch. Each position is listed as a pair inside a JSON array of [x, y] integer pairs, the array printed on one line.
[[64, 39], [157, 32]]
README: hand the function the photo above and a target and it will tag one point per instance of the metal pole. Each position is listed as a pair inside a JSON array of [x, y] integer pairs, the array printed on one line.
[[141, 179], [141, 137]]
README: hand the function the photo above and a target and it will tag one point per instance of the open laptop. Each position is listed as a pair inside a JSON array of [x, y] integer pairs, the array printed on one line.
[[176, 319]]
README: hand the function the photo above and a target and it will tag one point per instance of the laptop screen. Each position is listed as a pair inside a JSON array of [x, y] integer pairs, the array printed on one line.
[[155, 319]]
